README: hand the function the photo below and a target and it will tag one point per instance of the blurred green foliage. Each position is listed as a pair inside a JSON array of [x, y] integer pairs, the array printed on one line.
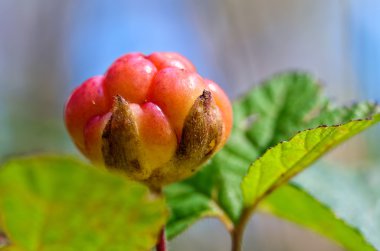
[[59, 203]]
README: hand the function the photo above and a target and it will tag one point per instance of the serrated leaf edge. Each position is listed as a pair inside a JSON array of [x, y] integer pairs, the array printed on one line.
[[284, 178]]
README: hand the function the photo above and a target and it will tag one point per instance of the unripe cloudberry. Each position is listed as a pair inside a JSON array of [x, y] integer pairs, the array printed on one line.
[[152, 117]]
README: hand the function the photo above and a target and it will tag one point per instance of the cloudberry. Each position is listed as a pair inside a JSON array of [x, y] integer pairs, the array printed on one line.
[[151, 117]]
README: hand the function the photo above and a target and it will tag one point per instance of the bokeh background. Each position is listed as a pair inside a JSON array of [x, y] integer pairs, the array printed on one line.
[[47, 48]]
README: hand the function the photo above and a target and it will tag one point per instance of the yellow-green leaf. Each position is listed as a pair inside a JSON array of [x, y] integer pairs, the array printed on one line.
[[288, 158], [58, 203]]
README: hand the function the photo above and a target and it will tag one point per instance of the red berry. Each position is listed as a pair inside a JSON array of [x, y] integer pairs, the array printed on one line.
[[153, 117], [170, 59], [175, 91], [86, 101], [130, 76]]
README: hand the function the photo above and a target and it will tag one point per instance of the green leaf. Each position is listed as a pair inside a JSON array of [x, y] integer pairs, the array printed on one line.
[[334, 116], [270, 113], [277, 109], [351, 192], [288, 158], [188, 206], [58, 203], [294, 204]]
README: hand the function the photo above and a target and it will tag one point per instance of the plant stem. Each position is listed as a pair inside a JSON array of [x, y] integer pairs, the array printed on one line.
[[238, 232], [236, 241], [161, 244]]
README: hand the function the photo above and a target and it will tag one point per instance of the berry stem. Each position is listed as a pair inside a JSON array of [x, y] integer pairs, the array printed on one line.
[[161, 244]]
